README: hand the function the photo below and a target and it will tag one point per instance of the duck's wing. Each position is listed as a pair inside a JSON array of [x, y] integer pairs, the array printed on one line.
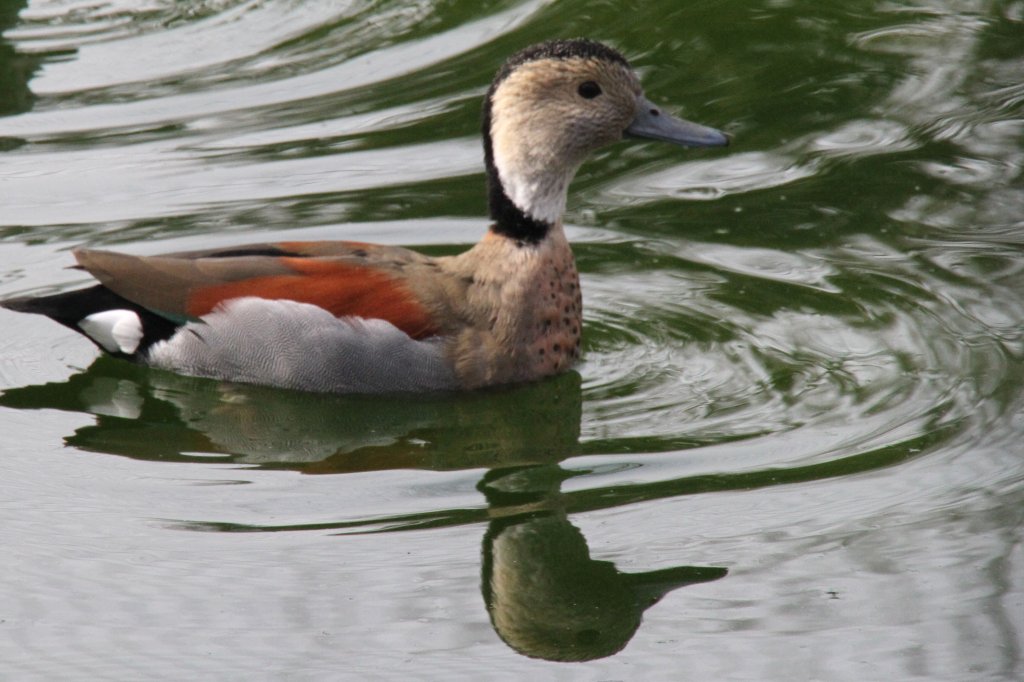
[[344, 278], [363, 252]]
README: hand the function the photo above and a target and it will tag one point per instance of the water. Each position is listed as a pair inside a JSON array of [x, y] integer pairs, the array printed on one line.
[[798, 422]]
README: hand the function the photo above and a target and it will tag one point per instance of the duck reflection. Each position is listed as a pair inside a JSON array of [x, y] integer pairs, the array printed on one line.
[[546, 597], [149, 414]]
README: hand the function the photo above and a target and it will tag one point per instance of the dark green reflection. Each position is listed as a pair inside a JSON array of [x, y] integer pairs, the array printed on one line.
[[148, 414], [545, 595], [547, 598], [15, 70]]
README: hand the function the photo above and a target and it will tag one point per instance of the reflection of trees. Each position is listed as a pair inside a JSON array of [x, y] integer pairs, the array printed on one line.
[[149, 414], [15, 69], [546, 596]]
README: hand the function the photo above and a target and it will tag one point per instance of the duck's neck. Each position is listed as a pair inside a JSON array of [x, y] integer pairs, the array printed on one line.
[[526, 185], [509, 219]]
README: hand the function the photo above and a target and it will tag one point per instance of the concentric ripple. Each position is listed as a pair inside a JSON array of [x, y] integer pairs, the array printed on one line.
[[696, 354]]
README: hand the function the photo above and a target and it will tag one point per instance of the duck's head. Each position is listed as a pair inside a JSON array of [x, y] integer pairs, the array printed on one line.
[[549, 107]]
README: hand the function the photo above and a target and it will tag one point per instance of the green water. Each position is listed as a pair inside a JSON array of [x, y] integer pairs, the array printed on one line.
[[794, 449]]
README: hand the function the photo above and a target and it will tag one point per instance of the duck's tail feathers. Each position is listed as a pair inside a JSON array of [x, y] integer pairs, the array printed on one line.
[[115, 324]]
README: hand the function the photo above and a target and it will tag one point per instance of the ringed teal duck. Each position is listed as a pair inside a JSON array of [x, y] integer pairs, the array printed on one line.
[[351, 317]]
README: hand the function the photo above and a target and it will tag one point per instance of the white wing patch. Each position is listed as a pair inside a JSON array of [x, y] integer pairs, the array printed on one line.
[[118, 331]]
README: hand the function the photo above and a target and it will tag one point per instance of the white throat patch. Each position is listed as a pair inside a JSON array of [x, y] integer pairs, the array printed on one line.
[[541, 197]]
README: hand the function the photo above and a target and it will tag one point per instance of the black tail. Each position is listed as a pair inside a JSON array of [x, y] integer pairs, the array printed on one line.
[[72, 307]]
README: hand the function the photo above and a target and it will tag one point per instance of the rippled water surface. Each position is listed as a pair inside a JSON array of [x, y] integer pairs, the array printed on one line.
[[795, 446]]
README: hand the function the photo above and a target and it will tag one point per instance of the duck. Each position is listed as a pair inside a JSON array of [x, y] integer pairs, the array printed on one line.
[[354, 317]]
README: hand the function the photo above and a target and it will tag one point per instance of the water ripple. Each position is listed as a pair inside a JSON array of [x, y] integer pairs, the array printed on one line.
[[708, 180], [685, 362]]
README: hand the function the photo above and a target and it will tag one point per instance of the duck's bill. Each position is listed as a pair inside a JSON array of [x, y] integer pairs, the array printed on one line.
[[654, 124]]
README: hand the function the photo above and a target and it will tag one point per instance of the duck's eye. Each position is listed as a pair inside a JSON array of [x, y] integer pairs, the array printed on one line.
[[589, 90]]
